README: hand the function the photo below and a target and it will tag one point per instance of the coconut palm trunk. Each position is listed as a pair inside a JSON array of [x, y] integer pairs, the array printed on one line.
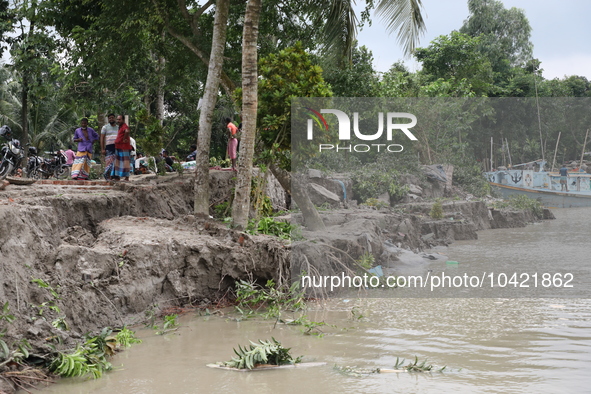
[[216, 61], [241, 205]]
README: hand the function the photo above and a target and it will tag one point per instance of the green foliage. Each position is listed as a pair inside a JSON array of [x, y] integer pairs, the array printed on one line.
[[251, 297], [521, 202], [41, 308], [178, 168], [126, 338], [356, 313], [399, 82], [161, 167], [19, 352], [49, 305], [221, 210], [436, 211], [82, 361], [353, 79], [6, 315], [397, 191], [260, 201], [20, 349], [313, 328], [88, 358], [214, 161], [170, 321], [309, 327], [469, 177], [96, 172], [153, 132], [269, 226], [456, 60], [375, 179], [366, 260], [264, 352], [44, 285], [61, 324], [505, 33], [92, 356], [284, 75]]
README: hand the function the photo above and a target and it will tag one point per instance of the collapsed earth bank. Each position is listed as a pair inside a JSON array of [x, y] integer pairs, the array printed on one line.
[[98, 256]]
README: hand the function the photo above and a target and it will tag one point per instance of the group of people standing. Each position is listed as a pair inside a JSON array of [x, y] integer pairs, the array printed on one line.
[[116, 146]]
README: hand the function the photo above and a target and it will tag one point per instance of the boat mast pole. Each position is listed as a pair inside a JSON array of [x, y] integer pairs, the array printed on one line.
[[509, 152], [491, 153], [583, 152], [556, 151], [539, 120]]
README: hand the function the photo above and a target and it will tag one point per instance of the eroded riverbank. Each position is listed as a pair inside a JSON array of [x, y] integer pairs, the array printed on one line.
[[520, 345], [113, 253]]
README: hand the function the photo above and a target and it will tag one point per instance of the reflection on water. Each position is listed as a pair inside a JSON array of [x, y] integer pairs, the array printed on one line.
[[488, 345]]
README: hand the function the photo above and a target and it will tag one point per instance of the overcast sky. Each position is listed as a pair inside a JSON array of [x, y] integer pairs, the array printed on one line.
[[561, 33]]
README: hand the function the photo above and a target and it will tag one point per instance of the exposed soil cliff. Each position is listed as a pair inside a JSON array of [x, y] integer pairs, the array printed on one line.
[[112, 253], [108, 254]]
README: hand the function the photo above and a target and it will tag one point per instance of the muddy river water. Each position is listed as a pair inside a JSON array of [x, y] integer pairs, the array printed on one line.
[[488, 345]]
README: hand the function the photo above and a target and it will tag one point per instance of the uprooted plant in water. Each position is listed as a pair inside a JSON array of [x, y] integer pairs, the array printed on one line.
[[272, 299], [89, 358], [92, 356], [265, 352]]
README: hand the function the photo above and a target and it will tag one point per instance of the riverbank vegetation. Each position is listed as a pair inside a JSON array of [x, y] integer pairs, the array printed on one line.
[[521, 202], [22, 368], [48, 87]]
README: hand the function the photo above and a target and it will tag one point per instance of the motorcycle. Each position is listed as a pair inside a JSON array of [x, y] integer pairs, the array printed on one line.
[[39, 167], [11, 153]]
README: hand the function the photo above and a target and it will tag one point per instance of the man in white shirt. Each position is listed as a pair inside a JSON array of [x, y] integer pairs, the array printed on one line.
[[108, 137]]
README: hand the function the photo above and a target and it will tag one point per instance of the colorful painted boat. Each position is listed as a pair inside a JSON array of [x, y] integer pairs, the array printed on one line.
[[542, 185]]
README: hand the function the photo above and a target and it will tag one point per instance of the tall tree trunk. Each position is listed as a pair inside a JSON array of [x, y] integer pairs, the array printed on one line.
[[216, 62], [25, 109], [160, 93], [161, 83], [299, 193], [241, 205]]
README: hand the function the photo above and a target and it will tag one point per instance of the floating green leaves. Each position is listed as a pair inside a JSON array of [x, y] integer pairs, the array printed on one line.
[[264, 352]]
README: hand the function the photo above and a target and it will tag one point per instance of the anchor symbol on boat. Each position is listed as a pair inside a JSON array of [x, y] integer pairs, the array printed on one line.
[[516, 178]]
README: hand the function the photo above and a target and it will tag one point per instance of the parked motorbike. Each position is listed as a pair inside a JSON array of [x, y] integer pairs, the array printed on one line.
[[11, 153], [39, 167]]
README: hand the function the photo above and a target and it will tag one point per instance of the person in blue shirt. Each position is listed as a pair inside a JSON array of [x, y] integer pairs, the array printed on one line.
[[193, 155]]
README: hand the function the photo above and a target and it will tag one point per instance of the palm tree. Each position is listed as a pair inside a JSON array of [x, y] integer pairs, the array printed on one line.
[[241, 205], [216, 60], [48, 120], [340, 29]]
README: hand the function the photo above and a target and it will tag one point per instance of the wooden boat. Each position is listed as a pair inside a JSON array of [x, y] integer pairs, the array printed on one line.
[[542, 185]]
